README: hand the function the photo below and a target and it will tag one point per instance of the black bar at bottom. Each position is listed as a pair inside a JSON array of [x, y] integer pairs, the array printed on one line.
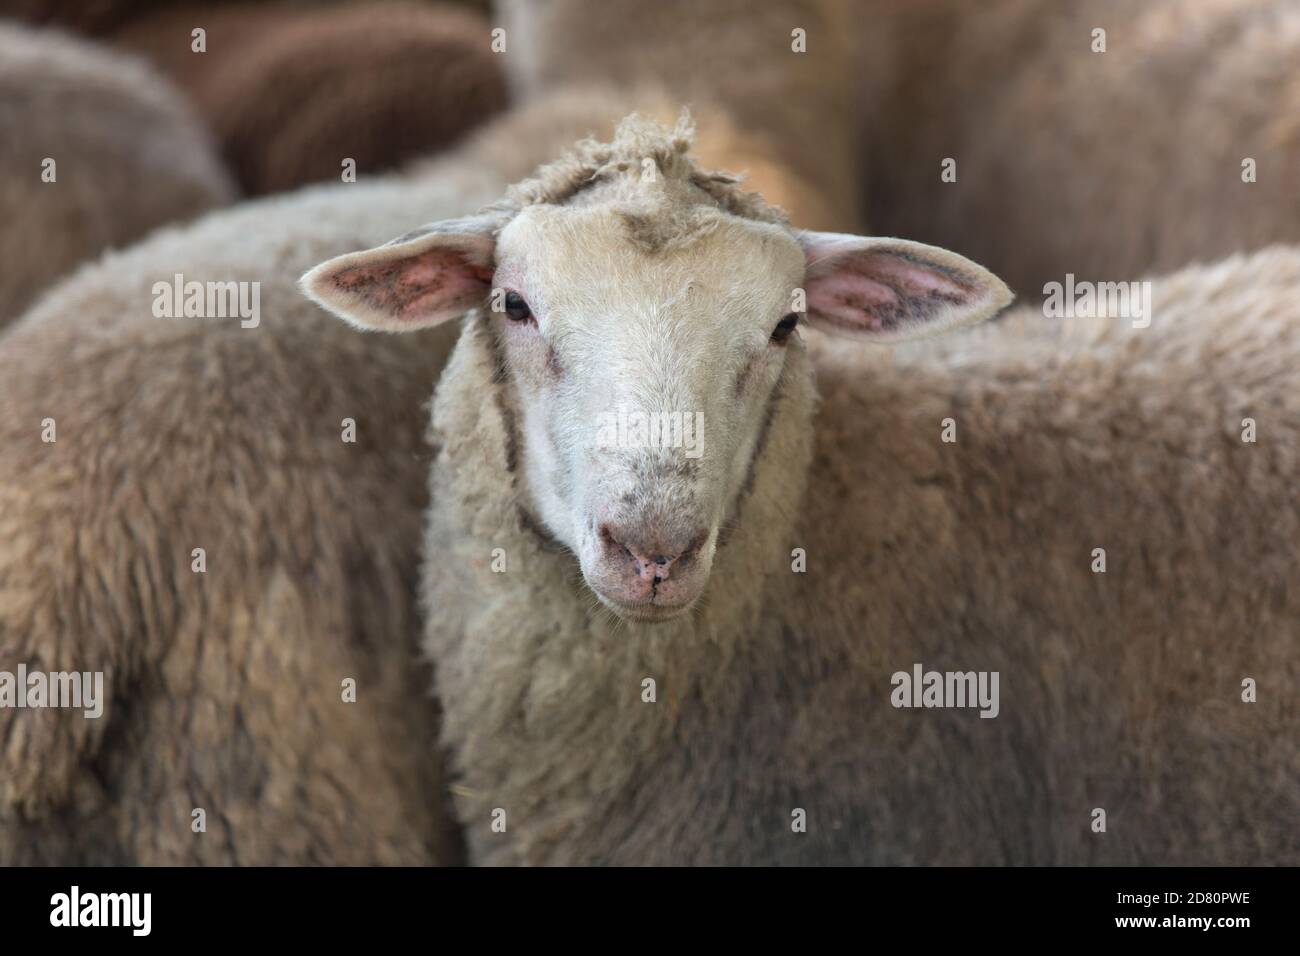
[[334, 906]]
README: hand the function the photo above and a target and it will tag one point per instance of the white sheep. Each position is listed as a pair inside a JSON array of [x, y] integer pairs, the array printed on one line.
[[648, 657]]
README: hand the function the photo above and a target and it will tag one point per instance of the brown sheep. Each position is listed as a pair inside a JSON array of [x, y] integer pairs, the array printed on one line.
[[76, 179], [1108, 165]]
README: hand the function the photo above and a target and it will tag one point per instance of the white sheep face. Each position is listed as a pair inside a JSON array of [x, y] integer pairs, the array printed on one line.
[[642, 377]]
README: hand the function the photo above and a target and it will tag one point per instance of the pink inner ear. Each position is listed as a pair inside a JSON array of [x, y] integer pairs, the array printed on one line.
[[877, 291], [418, 286], [852, 300]]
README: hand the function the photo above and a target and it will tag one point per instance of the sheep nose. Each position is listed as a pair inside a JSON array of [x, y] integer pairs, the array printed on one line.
[[653, 557]]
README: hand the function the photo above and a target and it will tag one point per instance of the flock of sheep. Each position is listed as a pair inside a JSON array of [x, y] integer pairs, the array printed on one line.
[[768, 735]]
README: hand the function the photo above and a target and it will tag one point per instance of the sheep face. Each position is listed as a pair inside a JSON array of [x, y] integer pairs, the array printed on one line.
[[641, 372], [641, 347]]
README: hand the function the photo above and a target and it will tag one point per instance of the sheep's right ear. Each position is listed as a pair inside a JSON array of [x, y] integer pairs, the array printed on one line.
[[420, 279]]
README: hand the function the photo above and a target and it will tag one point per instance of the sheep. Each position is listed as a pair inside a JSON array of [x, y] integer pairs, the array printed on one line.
[[225, 685], [76, 181], [94, 19], [647, 657], [291, 96], [1176, 144]]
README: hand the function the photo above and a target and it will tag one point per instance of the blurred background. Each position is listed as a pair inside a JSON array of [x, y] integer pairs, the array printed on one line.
[[160, 123], [1108, 139]]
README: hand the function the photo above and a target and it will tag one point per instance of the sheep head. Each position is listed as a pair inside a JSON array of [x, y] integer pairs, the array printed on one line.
[[645, 311]]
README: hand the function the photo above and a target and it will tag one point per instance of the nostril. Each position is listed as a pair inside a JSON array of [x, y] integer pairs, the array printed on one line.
[[696, 543], [607, 535]]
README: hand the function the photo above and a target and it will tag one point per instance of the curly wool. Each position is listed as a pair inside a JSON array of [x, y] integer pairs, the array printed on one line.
[[662, 205]]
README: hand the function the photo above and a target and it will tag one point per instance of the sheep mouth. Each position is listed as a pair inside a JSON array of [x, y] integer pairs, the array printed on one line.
[[646, 612]]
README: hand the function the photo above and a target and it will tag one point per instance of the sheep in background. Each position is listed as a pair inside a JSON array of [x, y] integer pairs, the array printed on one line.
[[767, 82], [1107, 165], [96, 149], [93, 19], [225, 685], [646, 656], [291, 93]]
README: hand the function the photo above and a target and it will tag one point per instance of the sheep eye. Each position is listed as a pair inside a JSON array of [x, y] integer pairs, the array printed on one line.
[[516, 308], [784, 328]]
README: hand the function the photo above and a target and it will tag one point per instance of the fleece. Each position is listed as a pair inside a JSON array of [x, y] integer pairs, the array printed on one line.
[[271, 680]]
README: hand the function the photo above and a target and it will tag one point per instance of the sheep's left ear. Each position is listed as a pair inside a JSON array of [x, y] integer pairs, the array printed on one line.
[[892, 290], [425, 277]]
